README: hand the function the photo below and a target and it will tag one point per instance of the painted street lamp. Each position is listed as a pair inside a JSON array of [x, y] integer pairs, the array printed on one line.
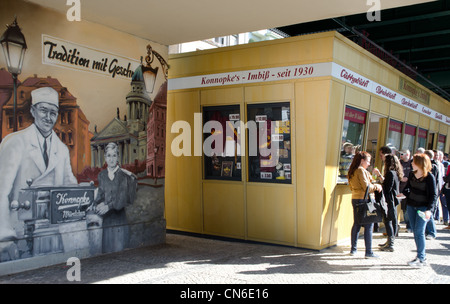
[[14, 47], [155, 149], [148, 72]]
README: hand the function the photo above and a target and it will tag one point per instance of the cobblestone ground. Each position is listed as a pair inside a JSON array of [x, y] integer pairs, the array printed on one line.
[[188, 259]]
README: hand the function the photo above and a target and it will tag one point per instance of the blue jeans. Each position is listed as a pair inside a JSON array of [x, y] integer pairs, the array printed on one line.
[[418, 226], [368, 232], [431, 227]]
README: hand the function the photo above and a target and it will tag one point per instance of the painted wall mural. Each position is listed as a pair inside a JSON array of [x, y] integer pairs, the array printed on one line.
[[84, 172]]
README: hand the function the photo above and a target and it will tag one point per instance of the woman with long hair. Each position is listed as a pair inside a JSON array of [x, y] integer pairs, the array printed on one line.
[[391, 182], [421, 199], [359, 180]]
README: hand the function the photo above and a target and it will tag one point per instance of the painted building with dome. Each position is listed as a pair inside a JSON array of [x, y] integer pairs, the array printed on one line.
[[129, 132]]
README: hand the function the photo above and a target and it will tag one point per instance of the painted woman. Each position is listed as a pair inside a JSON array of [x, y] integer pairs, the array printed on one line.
[[116, 190]]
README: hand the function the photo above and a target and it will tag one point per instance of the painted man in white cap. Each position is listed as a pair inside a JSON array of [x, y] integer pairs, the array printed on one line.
[[35, 153]]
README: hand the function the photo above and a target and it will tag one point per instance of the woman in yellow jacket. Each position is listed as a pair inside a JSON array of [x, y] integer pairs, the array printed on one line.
[[359, 179]]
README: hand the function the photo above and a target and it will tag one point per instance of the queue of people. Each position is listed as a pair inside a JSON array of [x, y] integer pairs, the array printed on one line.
[[415, 182]]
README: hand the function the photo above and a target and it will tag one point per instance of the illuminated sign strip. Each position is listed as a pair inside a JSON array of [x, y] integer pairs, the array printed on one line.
[[301, 72]]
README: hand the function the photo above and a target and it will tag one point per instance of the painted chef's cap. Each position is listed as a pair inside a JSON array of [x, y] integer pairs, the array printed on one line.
[[46, 94]]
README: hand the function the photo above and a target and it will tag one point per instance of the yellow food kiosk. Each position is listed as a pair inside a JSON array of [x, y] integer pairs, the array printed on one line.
[[314, 93]]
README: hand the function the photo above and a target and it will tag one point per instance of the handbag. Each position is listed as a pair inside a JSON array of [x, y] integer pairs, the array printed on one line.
[[368, 211]]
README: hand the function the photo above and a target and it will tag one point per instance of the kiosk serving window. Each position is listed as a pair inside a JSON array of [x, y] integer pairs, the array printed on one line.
[[441, 142], [408, 138], [421, 139], [394, 134], [222, 143], [354, 123], [269, 143], [352, 137]]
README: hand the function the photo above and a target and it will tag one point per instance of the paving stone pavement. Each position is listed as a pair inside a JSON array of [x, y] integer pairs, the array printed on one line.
[[195, 260]]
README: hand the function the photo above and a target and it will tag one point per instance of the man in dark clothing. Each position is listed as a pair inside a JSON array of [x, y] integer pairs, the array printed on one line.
[[405, 161], [431, 226]]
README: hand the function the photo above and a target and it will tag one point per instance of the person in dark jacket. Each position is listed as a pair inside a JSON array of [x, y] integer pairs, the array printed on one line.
[[430, 232], [405, 161], [393, 175], [421, 195], [116, 190]]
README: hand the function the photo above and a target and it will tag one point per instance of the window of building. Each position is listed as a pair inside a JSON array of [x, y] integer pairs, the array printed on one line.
[[63, 118], [352, 137], [20, 120], [220, 41], [234, 40], [408, 138], [222, 143], [394, 136], [70, 138], [421, 139], [269, 143]]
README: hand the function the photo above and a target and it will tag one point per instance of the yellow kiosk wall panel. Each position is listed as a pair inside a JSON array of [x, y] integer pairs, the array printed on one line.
[[379, 106], [271, 213], [335, 222], [357, 98], [226, 96], [397, 112], [439, 104], [424, 122], [434, 126], [269, 93], [412, 118], [183, 188], [443, 129], [301, 51], [311, 114], [349, 54], [224, 208]]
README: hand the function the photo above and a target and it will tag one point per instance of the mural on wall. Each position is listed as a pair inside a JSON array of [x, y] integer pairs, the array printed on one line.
[[64, 188]]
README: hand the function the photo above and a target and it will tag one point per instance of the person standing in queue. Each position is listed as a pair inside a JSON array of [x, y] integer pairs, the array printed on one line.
[[430, 231], [382, 153], [405, 161], [393, 175], [439, 157], [421, 199], [359, 180]]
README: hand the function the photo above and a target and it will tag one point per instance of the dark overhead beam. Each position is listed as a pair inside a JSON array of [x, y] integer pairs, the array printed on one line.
[[430, 48], [440, 91], [412, 36], [441, 78], [402, 20], [430, 59]]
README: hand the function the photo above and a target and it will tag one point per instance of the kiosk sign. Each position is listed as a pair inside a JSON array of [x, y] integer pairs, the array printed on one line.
[[70, 204]]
